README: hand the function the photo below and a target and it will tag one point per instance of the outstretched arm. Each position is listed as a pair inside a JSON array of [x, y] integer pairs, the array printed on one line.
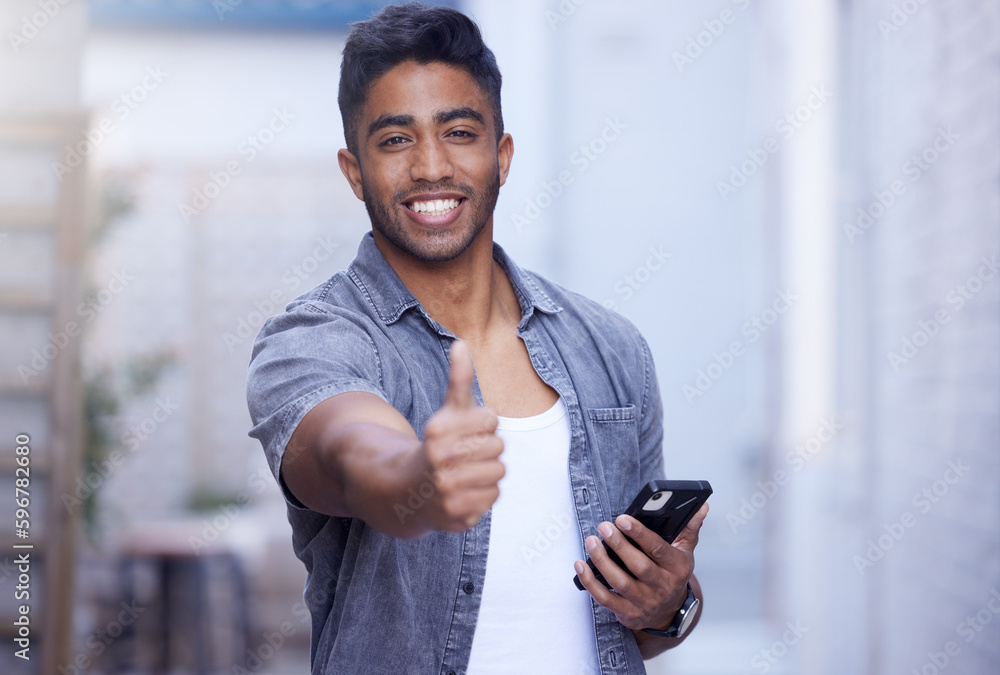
[[354, 455]]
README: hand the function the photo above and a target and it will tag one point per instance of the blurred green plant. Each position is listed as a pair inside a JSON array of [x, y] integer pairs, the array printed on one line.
[[113, 199], [106, 388], [209, 501]]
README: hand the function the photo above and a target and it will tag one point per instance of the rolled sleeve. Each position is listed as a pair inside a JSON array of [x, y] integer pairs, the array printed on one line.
[[300, 358]]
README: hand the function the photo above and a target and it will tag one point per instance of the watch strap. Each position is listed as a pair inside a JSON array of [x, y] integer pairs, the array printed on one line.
[[675, 627]]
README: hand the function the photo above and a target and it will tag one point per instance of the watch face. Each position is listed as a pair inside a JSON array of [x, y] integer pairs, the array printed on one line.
[[689, 617]]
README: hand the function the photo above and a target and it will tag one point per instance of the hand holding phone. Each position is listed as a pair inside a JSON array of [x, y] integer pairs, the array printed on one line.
[[663, 506]]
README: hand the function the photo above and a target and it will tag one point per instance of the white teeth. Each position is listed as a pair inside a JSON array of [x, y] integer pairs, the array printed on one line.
[[435, 207]]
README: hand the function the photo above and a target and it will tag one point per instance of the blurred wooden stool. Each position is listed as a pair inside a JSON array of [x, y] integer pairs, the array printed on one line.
[[191, 607]]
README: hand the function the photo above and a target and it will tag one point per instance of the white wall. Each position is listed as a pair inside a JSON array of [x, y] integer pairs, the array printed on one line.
[[910, 77]]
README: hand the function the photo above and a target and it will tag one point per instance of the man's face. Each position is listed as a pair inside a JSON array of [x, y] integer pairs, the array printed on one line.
[[429, 167]]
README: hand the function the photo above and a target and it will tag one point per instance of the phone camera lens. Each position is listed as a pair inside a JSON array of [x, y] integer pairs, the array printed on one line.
[[658, 495]]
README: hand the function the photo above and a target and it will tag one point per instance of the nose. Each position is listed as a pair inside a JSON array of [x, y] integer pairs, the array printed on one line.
[[430, 162]]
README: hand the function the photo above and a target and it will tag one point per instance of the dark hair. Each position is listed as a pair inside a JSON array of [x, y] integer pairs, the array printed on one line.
[[412, 32]]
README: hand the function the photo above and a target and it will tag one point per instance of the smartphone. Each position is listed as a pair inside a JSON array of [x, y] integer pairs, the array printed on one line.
[[665, 507]]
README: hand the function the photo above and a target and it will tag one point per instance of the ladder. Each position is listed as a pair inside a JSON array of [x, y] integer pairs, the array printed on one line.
[[41, 406]]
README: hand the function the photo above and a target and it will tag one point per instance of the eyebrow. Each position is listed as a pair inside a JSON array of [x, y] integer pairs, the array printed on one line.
[[388, 120], [465, 112], [443, 117]]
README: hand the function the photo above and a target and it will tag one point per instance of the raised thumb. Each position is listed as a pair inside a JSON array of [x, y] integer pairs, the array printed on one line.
[[460, 378]]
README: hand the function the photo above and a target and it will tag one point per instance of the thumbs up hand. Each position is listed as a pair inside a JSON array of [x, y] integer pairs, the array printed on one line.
[[462, 452]]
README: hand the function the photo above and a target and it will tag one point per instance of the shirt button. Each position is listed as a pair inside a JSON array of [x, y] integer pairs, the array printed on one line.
[[469, 587], [452, 672]]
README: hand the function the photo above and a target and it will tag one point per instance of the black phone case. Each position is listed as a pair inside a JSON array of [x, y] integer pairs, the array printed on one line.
[[668, 521]]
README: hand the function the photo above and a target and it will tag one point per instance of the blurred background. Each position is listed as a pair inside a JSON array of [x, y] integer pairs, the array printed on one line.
[[797, 202]]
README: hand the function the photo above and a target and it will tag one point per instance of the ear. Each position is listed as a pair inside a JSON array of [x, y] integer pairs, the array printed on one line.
[[352, 171], [505, 152]]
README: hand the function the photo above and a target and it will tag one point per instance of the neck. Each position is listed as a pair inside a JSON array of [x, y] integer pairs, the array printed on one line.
[[470, 295]]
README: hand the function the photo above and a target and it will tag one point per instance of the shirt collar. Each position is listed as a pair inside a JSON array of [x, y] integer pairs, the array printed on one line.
[[389, 297]]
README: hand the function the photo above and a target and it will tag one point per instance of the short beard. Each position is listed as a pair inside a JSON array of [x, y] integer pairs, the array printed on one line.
[[439, 248]]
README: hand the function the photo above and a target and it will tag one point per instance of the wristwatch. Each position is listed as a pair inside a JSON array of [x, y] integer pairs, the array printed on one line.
[[685, 617]]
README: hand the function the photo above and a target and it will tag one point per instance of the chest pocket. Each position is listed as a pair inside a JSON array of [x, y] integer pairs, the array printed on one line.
[[615, 436]]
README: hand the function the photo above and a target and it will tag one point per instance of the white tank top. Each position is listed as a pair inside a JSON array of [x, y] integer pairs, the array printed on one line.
[[532, 618]]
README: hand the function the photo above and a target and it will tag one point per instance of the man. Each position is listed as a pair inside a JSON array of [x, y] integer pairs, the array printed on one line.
[[451, 431]]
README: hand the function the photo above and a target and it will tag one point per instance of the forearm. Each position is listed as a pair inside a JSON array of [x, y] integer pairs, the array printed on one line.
[[378, 471], [360, 470], [654, 645]]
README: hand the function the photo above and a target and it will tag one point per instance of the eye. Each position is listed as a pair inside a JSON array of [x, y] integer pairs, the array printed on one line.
[[393, 140], [462, 133]]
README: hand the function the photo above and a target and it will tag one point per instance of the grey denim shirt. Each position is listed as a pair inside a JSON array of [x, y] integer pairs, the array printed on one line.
[[381, 604]]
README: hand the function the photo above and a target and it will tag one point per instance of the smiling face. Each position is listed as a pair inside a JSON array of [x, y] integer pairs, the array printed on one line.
[[429, 166]]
